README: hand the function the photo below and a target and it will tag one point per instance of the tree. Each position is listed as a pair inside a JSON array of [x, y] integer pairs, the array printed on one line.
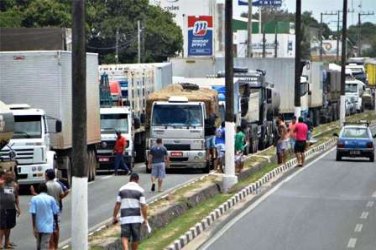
[[163, 38], [368, 37]]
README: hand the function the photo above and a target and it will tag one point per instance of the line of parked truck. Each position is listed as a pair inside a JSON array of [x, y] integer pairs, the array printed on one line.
[[140, 101]]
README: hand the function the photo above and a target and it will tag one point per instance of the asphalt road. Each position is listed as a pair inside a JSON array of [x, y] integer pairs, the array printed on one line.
[[327, 205], [101, 198]]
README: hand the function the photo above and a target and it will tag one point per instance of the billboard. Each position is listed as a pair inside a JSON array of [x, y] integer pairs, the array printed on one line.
[[200, 35]]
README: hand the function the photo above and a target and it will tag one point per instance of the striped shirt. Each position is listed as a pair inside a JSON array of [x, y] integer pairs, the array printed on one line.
[[131, 196]]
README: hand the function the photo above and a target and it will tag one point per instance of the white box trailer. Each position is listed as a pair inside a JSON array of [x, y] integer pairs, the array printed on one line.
[[43, 79]]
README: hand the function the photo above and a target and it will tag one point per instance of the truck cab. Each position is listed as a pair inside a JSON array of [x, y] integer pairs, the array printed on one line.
[[31, 143], [180, 124], [354, 90], [115, 119]]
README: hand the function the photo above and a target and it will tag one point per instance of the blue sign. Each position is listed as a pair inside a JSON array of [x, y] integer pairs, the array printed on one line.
[[258, 3], [200, 35]]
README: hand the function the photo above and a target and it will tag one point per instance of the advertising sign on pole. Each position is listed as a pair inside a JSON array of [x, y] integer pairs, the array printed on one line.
[[200, 35], [258, 3]]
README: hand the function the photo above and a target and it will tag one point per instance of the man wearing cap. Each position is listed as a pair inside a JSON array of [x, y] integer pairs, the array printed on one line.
[[120, 145], [131, 203]]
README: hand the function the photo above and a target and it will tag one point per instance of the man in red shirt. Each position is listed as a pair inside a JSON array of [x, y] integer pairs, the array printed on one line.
[[120, 145], [301, 130]]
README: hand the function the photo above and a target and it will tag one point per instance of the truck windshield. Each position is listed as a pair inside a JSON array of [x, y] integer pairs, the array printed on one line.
[[27, 126], [351, 88], [113, 122], [177, 115]]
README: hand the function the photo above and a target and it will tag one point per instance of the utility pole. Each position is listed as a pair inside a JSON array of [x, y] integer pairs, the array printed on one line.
[[79, 229], [263, 43], [343, 63], [298, 34], [321, 29], [275, 41], [117, 46], [338, 20], [138, 41], [360, 14], [229, 178], [249, 30]]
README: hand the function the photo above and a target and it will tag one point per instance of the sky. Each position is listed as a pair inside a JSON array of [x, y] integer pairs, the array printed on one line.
[[318, 6]]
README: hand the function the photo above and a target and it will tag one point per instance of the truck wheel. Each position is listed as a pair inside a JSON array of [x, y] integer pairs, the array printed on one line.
[[93, 166], [372, 158]]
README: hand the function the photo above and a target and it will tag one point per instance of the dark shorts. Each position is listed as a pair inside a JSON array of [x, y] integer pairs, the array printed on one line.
[[300, 146], [8, 218], [131, 231]]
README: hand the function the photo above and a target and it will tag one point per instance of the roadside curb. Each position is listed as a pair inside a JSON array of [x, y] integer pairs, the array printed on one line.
[[253, 188]]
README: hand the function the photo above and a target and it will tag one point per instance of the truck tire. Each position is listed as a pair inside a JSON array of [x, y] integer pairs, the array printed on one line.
[[93, 168]]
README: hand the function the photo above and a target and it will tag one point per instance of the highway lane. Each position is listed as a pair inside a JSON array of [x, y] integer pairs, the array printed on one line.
[[327, 205], [101, 198]]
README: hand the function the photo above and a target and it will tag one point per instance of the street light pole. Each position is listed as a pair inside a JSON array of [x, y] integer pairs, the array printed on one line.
[[79, 229], [229, 178], [343, 63], [249, 30], [298, 35]]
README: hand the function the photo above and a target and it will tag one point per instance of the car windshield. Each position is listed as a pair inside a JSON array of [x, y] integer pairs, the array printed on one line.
[[27, 126], [177, 115], [351, 88], [114, 122], [361, 133]]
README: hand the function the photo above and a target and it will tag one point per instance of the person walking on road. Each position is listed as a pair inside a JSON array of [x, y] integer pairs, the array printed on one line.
[[282, 140], [301, 131], [44, 211], [158, 158], [239, 148], [131, 203], [292, 135], [120, 145], [9, 207], [55, 189]]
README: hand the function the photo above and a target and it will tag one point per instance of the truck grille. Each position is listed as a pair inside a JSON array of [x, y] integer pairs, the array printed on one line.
[[23, 156], [177, 146]]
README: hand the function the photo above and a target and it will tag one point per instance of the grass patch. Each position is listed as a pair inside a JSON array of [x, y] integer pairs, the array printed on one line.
[[163, 237]]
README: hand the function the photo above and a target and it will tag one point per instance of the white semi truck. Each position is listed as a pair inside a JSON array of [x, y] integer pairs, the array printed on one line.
[[42, 79]]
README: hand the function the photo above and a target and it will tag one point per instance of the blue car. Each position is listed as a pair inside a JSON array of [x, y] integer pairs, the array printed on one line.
[[355, 140]]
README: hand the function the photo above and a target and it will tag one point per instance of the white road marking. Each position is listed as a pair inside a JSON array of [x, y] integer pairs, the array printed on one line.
[[364, 215], [352, 243], [370, 203], [358, 228], [259, 201], [65, 247]]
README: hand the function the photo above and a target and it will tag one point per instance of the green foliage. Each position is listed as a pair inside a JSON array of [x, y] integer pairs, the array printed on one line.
[[162, 37], [368, 37]]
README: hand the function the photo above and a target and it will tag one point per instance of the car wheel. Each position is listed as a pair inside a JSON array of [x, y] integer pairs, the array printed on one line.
[[338, 157], [372, 158]]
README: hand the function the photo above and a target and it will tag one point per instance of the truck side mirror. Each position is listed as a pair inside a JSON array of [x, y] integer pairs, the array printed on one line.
[[58, 126]]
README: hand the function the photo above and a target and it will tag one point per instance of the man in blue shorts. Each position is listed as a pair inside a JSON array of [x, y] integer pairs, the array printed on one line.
[[158, 158]]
